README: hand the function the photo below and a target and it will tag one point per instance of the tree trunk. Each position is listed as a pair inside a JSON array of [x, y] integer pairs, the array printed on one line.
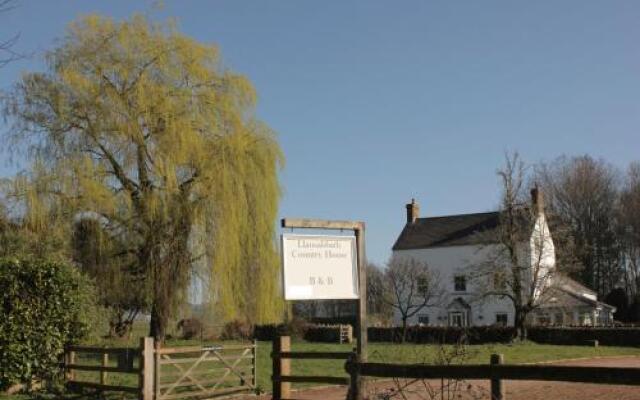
[[404, 329], [520, 325], [158, 325]]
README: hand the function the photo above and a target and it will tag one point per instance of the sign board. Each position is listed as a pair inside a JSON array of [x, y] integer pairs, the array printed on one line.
[[319, 267]]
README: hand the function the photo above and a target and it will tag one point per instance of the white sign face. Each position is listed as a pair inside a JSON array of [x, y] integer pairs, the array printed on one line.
[[318, 267]]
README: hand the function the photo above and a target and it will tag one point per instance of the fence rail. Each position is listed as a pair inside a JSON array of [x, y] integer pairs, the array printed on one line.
[[282, 356], [497, 372], [102, 359], [601, 375], [204, 371], [164, 373]]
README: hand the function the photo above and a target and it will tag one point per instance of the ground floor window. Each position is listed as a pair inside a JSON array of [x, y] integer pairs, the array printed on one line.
[[457, 318], [502, 319], [423, 319]]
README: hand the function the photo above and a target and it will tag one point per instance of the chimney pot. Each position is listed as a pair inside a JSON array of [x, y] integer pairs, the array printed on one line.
[[413, 211], [537, 200]]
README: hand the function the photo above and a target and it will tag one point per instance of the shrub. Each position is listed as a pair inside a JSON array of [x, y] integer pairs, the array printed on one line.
[[236, 330], [296, 328], [45, 306], [323, 333], [585, 335], [450, 335], [191, 328]]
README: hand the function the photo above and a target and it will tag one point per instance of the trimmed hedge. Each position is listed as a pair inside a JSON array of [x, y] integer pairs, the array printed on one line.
[[415, 334], [451, 335], [443, 335], [324, 333], [586, 335]]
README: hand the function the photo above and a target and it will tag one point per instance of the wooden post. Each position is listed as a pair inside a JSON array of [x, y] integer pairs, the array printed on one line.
[[157, 370], [281, 367], [361, 349], [147, 368], [354, 377], [497, 388], [103, 373], [361, 329], [70, 359], [254, 368]]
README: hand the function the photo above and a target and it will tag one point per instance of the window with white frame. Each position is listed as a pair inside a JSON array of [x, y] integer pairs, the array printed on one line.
[[460, 283], [502, 319]]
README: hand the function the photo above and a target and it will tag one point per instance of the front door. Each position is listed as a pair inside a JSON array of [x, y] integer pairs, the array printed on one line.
[[457, 318]]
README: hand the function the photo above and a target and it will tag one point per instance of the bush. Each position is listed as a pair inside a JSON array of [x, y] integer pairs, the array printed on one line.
[[586, 335], [323, 333], [191, 328], [45, 306], [296, 328], [440, 335], [236, 330]]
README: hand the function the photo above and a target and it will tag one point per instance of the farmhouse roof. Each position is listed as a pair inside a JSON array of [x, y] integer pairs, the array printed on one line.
[[450, 230], [571, 294]]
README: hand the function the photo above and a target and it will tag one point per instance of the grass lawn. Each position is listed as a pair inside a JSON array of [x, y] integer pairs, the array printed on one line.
[[391, 353]]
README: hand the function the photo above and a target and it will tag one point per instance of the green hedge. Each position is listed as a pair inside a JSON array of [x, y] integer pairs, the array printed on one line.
[[586, 335], [441, 335], [45, 305]]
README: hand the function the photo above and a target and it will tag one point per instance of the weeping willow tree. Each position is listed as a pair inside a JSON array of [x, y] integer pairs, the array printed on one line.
[[142, 127]]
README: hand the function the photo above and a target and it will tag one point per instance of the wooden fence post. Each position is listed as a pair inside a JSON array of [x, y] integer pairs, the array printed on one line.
[[103, 373], [157, 370], [147, 368], [254, 367], [70, 359], [497, 388], [281, 367], [354, 376]]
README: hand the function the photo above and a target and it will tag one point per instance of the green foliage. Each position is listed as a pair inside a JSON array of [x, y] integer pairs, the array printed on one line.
[[143, 129], [104, 258], [45, 305]]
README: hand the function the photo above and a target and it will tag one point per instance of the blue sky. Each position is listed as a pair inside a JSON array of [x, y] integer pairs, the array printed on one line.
[[376, 102]]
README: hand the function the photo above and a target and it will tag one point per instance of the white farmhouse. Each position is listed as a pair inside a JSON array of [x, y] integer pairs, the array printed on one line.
[[454, 245]]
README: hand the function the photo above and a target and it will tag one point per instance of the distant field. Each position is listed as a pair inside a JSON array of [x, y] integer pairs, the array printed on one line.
[[395, 353]]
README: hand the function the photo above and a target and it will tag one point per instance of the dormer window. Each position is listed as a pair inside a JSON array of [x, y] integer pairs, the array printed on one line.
[[460, 283]]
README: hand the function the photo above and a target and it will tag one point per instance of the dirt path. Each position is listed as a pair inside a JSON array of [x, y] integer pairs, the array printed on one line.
[[516, 390]]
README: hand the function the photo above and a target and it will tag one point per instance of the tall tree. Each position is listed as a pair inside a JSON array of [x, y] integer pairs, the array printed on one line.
[[377, 307], [629, 232], [408, 286], [142, 126], [103, 257], [582, 193], [7, 51], [520, 265]]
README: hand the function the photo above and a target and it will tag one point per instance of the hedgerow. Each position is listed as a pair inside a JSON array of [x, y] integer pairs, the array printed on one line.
[[44, 306]]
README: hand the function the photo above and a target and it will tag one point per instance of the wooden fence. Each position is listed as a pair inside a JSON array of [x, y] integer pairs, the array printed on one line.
[[282, 378], [105, 361], [163, 373], [497, 372], [184, 372]]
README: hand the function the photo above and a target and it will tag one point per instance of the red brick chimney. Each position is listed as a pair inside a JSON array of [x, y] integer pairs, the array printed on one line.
[[537, 200], [413, 211]]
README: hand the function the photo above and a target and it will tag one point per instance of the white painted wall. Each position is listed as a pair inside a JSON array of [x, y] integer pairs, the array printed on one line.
[[449, 261]]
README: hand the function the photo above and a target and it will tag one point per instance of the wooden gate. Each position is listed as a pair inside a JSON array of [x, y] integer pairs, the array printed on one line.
[[184, 372]]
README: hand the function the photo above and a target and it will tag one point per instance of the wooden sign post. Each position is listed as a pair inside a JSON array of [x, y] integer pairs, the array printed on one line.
[[357, 388]]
